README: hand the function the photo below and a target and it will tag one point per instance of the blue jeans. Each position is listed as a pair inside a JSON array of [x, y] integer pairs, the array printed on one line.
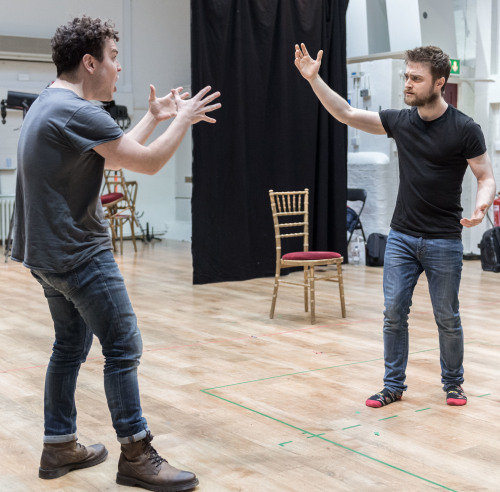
[[92, 300], [406, 257]]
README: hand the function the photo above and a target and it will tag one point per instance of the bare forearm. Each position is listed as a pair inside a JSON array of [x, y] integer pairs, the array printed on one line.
[[127, 153], [336, 105], [481, 167], [341, 110], [164, 147], [143, 130], [486, 190]]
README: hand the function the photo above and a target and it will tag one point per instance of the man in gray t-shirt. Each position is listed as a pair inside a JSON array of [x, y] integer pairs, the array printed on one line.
[[60, 234]]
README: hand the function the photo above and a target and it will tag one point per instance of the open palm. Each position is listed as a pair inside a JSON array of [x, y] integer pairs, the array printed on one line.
[[163, 108], [307, 66]]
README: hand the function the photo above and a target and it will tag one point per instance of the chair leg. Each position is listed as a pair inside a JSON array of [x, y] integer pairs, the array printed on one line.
[[350, 237], [133, 232], [362, 231], [306, 289], [341, 288], [112, 226], [313, 299], [121, 237], [275, 292]]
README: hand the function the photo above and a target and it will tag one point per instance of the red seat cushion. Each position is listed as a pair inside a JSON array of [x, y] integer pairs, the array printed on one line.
[[311, 255], [110, 197]]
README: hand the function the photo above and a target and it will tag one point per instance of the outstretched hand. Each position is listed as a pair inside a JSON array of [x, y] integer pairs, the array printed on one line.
[[477, 216], [165, 107], [307, 66], [197, 107]]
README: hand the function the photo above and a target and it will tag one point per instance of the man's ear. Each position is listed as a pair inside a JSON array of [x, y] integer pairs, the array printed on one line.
[[440, 82], [88, 63]]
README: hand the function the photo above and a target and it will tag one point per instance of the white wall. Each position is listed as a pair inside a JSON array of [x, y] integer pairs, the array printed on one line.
[[161, 55], [404, 24], [437, 25], [357, 32], [154, 48]]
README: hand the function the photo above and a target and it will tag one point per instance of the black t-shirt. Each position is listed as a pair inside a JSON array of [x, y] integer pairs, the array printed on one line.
[[432, 163]]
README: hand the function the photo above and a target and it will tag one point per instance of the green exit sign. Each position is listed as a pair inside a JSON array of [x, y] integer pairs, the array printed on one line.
[[455, 66]]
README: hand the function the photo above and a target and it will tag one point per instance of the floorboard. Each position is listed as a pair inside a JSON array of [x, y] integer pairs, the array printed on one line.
[[253, 404]]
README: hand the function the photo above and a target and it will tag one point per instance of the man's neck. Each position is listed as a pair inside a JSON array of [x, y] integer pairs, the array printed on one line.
[[64, 83], [434, 110]]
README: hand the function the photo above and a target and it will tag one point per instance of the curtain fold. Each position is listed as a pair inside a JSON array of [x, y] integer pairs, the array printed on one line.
[[271, 132]]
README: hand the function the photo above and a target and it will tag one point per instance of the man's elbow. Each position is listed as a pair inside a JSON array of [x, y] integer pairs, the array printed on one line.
[[110, 166], [148, 167], [150, 171]]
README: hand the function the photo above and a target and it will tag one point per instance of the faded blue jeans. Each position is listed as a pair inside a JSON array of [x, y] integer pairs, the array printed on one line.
[[406, 257], [92, 300]]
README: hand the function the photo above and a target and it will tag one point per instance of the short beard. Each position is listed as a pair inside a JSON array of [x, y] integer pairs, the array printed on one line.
[[422, 101]]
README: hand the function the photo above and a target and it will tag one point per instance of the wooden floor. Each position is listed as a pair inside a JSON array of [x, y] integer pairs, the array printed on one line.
[[253, 404]]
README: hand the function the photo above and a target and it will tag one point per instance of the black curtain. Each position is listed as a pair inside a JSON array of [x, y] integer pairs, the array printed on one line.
[[271, 132]]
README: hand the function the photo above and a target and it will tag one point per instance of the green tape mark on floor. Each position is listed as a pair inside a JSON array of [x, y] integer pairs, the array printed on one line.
[[352, 426], [330, 441], [422, 409], [387, 418], [311, 434], [294, 374], [310, 370]]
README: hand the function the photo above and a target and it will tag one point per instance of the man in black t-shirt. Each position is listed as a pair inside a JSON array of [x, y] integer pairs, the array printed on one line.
[[436, 143]]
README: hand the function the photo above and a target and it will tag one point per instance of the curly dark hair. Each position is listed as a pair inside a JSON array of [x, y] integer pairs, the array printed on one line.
[[78, 37], [438, 61]]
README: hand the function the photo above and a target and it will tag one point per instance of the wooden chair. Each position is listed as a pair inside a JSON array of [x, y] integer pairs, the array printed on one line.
[[118, 199], [291, 219]]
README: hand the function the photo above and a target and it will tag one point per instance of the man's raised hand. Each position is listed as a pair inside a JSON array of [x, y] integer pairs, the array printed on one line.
[[163, 108], [307, 66], [197, 107]]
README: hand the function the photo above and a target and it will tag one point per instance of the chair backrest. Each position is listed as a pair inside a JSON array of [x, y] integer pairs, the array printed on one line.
[[131, 191], [356, 195], [114, 183], [290, 213]]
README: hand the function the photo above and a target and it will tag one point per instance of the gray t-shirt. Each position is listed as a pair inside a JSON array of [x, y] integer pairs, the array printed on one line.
[[59, 222]]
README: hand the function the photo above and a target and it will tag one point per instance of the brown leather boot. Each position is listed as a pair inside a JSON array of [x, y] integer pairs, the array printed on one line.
[[141, 466], [60, 458]]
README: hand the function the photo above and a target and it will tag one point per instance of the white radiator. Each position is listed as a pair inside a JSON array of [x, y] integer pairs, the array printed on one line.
[[6, 209]]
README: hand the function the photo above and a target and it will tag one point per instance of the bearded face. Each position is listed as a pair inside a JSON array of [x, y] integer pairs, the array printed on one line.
[[413, 99], [420, 87]]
